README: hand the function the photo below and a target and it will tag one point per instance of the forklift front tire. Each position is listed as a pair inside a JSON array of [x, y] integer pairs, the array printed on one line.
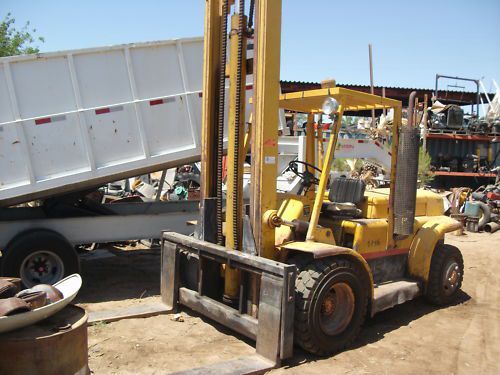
[[446, 275], [331, 304]]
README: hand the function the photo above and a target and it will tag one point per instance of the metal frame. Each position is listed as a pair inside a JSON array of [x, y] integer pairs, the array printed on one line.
[[476, 81], [132, 221], [311, 102], [272, 330]]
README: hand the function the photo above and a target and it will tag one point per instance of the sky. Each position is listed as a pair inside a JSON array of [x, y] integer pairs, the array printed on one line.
[[412, 41]]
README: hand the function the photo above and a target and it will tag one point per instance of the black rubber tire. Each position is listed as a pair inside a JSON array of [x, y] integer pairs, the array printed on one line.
[[313, 281], [24, 244], [436, 293]]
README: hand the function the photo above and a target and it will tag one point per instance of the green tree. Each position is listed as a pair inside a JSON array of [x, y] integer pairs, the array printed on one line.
[[17, 42], [425, 176]]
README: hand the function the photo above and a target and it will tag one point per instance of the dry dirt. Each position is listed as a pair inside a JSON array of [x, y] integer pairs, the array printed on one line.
[[413, 338]]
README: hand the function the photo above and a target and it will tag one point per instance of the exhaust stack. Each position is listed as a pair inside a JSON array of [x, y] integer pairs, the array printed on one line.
[[405, 195]]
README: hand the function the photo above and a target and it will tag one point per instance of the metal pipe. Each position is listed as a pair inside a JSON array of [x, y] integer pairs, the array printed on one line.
[[325, 175], [411, 106], [384, 111], [161, 184], [424, 121], [491, 227], [371, 80]]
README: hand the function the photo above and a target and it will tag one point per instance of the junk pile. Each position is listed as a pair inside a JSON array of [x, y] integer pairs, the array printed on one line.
[[182, 183], [477, 210]]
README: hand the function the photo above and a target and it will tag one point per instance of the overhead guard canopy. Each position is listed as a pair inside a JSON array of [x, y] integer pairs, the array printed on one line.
[[311, 101]]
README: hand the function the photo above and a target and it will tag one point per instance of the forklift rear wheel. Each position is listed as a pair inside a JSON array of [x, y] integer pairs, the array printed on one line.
[[331, 305], [446, 275], [39, 256]]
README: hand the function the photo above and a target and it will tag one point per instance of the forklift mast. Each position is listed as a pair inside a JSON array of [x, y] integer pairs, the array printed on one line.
[[264, 130]]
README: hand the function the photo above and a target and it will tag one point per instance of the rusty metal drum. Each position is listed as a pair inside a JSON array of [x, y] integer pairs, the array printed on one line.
[[56, 345]]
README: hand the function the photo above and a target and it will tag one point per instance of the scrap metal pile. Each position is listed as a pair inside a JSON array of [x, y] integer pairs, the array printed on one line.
[[477, 210]]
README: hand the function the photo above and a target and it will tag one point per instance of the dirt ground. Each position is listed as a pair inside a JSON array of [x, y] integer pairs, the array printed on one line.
[[413, 338]]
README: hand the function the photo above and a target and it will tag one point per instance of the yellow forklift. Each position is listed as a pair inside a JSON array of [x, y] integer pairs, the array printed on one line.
[[305, 268]]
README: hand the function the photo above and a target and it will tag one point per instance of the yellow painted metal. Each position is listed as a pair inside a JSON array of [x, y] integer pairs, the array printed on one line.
[[211, 60], [312, 100], [394, 160], [424, 242], [310, 154], [248, 135], [324, 235], [325, 174], [265, 130], [235, 145], [322, 250], [320, 145], [376, 204], [290, 209]]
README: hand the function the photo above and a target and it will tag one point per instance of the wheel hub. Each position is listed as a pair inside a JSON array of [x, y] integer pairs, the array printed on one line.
[[451, 277], [337, 309], [41, 267], [328, 305]]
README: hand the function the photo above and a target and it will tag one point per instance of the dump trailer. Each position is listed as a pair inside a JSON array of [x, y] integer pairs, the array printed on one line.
[[78, 119], [75, 120]]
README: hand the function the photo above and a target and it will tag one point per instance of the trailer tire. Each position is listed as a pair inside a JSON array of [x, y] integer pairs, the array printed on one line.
[[445, 275], [330, 306], [54, 256]]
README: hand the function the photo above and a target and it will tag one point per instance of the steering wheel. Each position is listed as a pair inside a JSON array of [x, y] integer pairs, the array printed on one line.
[[308, 177]]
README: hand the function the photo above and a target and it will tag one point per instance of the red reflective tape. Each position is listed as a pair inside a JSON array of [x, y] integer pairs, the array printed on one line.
[[249, 87], [378, 144], [200, 94], [386, 253], [41, 121], [101, 111], [156, 102], [361, 141]]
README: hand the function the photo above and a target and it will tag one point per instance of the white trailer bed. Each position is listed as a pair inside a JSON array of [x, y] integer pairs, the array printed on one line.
[[78, 119]]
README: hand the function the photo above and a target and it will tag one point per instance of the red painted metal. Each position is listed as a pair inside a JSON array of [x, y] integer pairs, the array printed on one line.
[[463, 137], [41, 121], [156, 102], [464, 174], [386, 253], [101, 111]]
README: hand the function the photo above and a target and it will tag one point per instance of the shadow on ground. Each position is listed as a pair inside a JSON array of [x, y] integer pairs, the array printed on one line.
[[384, 322], [136, 274], [126, 275]]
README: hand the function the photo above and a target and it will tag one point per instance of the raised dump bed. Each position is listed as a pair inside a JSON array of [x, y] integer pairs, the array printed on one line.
[[77, 119]]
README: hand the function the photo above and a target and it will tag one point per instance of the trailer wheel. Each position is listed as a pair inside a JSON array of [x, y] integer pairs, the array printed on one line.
[[331, 304], [39, 257], [446, 275]]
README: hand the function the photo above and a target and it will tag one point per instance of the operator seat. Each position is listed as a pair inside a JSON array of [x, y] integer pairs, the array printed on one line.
[[344, 195]]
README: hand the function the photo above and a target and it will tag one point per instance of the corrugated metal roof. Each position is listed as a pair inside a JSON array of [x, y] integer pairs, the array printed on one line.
[[375, 86]]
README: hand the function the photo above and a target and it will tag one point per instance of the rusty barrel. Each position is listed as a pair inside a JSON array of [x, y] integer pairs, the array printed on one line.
[[56, 345]]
